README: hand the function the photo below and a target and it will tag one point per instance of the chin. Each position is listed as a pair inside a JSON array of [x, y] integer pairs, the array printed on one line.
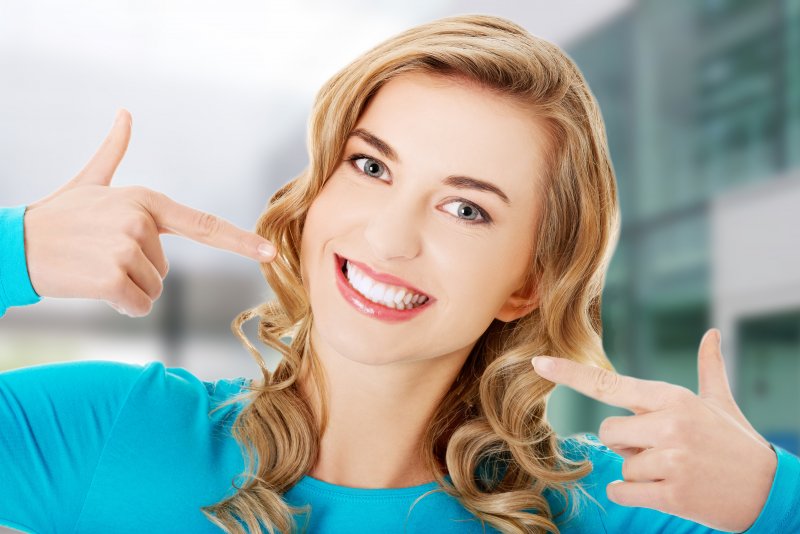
[[366, 355]]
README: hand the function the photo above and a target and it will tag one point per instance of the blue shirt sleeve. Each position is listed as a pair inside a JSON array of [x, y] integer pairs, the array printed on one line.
[[15, 283], [55, 420], [781, 512]]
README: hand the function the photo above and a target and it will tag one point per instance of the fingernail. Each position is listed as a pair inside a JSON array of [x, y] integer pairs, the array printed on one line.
[[266, 250], [718, 335], [712, 335], [543, 363]]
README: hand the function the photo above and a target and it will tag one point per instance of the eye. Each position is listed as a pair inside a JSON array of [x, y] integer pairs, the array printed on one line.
[[468, 212], [373, 167]]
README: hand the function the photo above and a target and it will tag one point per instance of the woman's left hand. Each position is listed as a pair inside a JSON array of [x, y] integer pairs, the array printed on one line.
[[692, 456]]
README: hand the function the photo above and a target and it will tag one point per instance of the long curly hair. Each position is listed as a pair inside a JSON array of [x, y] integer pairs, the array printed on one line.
[[489, 433]]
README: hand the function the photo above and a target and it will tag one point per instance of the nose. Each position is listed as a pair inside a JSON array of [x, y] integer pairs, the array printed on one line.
[[393, 230]]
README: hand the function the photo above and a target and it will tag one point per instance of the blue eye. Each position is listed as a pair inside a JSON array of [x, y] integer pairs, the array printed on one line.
[[376, 169], [470, 210], [373, 168]]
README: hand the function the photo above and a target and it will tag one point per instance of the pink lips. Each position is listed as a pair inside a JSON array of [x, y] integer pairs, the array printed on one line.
[[366, 306]]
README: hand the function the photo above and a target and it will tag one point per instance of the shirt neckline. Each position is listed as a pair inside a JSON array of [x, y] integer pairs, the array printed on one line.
[[309, 482]]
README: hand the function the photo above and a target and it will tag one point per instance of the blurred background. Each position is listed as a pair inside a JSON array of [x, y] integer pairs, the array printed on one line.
[[701, 100]]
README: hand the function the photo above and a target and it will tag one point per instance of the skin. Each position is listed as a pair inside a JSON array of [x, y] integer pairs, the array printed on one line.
[[90, 240], [386, 379], [692, 456]]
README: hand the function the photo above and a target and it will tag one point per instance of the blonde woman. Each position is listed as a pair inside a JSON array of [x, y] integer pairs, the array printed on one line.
[[456, 218]]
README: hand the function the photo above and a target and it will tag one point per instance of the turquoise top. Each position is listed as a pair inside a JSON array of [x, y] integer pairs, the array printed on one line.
[[15, 284], [101, 446]]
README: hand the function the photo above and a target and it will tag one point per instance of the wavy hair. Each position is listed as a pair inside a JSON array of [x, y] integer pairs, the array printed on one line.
[[489, 433]]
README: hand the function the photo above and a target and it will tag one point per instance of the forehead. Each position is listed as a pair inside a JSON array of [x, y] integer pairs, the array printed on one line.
[[453, 126]]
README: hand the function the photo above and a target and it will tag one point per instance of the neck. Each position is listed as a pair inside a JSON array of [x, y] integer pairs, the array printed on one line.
[[377, 417]]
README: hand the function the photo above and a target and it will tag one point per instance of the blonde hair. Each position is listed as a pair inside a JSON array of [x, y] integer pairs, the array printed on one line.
[[489, 433]]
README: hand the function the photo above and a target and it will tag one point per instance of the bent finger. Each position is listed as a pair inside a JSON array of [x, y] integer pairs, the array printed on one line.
[[651, 465], [145, 275], [131, 299], [154, 251], [652, 495]]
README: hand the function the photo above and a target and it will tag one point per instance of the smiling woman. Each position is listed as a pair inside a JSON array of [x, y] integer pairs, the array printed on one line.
[[456, 218], [464, 160]]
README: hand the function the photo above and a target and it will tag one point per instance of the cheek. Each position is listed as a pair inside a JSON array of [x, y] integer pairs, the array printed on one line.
[[481, 273], [341, 200]]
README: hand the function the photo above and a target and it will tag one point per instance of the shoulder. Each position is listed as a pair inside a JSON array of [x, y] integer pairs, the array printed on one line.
[[586, 446], [92, 384], [69, 387], [177, 394]]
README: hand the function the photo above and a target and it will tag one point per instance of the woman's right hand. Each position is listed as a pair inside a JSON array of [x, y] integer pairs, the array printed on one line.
[[89, 240]]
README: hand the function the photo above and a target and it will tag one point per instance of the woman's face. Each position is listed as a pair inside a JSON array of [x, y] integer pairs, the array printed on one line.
[[393, 206]]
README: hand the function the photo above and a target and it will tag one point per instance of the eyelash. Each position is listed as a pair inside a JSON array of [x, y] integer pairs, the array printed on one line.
[[481, 211]]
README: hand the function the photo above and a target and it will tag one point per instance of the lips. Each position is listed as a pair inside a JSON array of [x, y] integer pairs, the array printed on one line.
[[378, 276], [366, 306]]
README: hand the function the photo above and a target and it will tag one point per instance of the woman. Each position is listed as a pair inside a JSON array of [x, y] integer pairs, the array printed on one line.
[[456, 218]]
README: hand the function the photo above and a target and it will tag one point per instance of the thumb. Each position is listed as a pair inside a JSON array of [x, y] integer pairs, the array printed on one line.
[[713, 381], [712, 378], [103, 164]]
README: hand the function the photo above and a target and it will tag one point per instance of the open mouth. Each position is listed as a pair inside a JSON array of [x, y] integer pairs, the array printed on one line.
[[388, 295]]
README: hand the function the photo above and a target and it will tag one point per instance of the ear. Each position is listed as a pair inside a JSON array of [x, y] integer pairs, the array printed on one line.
[[518, 304]]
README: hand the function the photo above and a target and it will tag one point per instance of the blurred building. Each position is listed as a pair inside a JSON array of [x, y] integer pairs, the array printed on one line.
[[701, 101]]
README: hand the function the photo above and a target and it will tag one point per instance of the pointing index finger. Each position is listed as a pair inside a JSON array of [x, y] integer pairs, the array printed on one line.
[[174, 217], [635, 394]]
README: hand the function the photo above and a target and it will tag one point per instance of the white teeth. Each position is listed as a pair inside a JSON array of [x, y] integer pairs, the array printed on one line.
[[376, 293], [365, 285], [398, 298], [390, 296]]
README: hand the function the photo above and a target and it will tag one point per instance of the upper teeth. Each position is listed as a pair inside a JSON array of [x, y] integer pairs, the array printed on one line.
[[391, 296]]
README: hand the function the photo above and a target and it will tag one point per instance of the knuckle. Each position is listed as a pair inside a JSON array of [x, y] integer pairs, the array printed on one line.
[[147, 197], [207, 224], [674, 460], [156, 198], [605, 382], [138, 227], [673, 430], [128, 254], [138, 192], [605, 429]]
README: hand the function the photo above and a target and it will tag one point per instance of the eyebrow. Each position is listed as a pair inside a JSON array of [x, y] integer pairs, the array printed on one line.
[[457, 181]]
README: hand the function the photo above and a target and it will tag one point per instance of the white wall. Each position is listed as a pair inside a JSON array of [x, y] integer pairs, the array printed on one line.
[[756, 255]]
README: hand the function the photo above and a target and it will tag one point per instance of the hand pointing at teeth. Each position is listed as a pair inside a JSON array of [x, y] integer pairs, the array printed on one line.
[[692, 456], [90, 240]]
